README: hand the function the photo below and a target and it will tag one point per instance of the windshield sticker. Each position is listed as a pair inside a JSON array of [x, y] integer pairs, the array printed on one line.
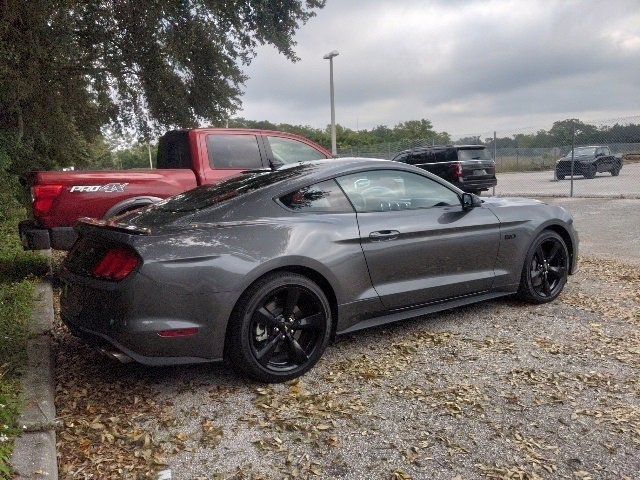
[[108, 188]]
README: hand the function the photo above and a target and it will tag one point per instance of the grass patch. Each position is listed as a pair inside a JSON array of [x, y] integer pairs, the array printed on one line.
[[18, 270]]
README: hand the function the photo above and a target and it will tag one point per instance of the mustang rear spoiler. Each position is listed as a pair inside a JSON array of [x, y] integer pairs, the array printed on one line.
[[113, 225]]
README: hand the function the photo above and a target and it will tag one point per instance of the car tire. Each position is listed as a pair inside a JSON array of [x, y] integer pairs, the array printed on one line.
[[615, 171], [559, 177], [545, 269], [275, 334], [589, 171]]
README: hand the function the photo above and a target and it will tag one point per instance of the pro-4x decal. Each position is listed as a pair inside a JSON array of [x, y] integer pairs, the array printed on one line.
[[108, 188]]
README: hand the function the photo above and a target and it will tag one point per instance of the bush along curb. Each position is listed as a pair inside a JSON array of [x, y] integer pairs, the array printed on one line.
[[34, 454]]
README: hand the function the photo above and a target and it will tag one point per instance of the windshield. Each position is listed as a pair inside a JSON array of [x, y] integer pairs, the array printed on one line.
[[583, 151], [211, 195], [474, 154]]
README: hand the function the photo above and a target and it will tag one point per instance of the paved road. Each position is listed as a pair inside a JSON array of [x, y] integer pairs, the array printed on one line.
[[608, 228], [626, 185]]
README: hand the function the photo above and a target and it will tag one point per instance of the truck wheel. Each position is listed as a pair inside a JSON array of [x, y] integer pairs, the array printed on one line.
[[589, 171]]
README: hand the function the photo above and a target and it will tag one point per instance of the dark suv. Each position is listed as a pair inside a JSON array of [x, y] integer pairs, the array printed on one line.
[[468, 167]]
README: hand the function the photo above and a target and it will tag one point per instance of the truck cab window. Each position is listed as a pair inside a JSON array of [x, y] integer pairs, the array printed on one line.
[[234, 152], [285, 151]]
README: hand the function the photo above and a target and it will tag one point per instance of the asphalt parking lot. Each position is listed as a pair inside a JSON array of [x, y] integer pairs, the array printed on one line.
[[496, 390], [626, 185]]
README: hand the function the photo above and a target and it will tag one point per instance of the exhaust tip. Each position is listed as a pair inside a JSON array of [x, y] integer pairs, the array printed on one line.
[[116, 355]]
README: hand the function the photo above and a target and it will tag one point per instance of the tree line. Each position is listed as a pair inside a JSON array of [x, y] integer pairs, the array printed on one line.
[[559, 135]]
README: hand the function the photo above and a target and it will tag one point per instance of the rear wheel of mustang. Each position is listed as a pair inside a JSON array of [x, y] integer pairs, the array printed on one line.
[[615, 171], [545, 270], [279, 329]]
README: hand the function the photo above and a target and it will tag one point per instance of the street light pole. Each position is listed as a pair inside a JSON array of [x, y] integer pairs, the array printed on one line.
[[329, 56]]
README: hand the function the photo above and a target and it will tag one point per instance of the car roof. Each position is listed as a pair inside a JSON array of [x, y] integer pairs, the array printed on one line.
[[320, 170]]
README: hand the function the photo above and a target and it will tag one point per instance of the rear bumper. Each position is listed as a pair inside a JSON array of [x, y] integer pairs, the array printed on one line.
[[127, 316], [476, 185], [35, 237]]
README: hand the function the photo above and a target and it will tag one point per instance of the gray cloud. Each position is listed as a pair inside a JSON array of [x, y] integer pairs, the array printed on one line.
[[468, 66]]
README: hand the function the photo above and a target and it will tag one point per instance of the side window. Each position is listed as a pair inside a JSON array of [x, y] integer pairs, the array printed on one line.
[[403, 158], [233, 151], [419, 158], [391, 190], [440, 156], [286, 151], [321, 197]]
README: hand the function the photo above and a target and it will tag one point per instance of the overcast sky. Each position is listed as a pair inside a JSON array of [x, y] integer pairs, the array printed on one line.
[[468, 66]]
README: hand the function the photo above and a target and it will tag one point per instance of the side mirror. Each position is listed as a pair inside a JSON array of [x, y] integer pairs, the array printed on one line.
[[468, 201]]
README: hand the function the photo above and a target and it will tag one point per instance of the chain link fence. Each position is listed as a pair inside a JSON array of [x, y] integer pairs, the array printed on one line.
[[537, 161]]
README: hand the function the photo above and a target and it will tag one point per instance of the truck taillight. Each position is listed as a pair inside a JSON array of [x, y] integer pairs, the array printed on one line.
[[117, 264], [456, 171], [43, 197]]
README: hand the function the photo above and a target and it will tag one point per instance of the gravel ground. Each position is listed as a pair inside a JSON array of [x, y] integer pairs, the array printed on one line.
[[496, 390]]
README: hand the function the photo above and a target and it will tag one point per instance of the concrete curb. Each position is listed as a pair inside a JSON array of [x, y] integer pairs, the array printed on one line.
[[34, 455]]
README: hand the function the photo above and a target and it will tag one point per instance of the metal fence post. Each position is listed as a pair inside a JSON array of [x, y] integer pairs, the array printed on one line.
[[573, 148], [495, 157]]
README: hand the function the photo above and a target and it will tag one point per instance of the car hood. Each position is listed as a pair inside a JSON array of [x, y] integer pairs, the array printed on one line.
[[510, 202]]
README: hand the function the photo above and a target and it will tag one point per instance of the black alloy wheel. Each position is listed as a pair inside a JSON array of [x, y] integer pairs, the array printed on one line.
[[546, 268], [280, 329], [615, 171]]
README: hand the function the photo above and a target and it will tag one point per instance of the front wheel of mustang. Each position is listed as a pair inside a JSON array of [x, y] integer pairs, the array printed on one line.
[[545, 269], [279, 328]]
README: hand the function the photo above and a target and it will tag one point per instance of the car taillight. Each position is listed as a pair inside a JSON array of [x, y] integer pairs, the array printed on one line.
[[116, 264], [456, 171], [43, 197]]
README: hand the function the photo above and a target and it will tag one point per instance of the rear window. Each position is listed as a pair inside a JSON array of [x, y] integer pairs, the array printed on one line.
[[321, 197], [447, 155], [211, 195], [474, 154], [234, 151], [173, 151]]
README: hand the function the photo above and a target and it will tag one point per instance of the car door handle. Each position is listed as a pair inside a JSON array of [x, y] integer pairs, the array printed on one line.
[[381, 235]]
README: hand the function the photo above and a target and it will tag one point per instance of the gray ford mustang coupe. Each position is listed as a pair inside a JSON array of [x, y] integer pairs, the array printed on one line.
[[264, 268]]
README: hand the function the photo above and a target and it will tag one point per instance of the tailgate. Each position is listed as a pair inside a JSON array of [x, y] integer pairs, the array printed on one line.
[[478, 169], [91, 194]]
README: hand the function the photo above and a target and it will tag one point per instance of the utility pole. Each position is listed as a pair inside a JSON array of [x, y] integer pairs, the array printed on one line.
[[495, 156], [329, 56], [573, 148]]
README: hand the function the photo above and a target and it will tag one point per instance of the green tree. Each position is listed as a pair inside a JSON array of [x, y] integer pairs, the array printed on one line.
[[70, 67]]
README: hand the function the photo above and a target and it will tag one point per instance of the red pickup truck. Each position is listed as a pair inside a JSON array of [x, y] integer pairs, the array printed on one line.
[[186, 159]]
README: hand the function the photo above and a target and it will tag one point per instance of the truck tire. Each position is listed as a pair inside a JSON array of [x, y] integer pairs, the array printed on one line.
[[589, 171], [615, 171]]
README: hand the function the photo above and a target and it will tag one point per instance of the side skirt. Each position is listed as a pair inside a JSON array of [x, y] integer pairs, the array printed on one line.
[[396, 315]]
